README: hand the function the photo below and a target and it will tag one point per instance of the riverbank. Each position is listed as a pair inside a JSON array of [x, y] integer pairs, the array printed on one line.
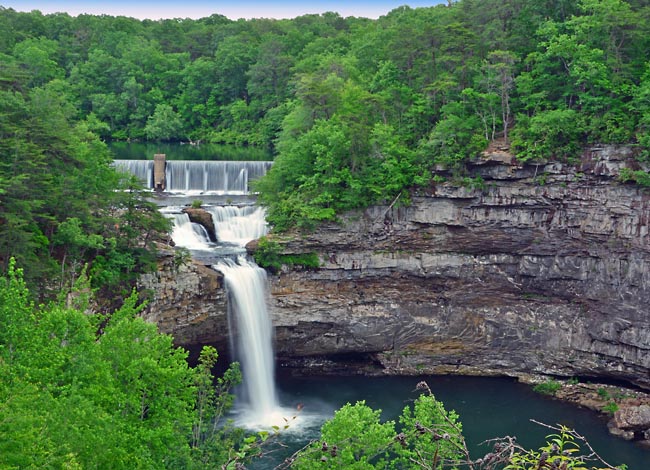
[[626, 410]]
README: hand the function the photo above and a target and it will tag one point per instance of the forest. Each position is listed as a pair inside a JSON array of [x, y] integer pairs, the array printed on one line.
[[354, 111]]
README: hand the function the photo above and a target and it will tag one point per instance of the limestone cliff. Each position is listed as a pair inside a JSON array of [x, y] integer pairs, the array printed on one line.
[[543, 269], [540, 269], [188, 301]]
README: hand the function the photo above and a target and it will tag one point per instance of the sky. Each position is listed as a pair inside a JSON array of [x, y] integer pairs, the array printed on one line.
[[233, 9]]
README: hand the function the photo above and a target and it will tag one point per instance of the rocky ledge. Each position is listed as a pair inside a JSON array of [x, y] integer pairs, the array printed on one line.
[[187, 300], [539, 269]]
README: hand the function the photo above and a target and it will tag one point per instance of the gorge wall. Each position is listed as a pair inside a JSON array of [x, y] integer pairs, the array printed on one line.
[[188, 301], [543, 269]]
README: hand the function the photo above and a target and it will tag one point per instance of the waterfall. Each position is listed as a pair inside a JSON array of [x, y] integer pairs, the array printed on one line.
[[199, 176], [238, 225], [141, 169], [188, 234], [250, 324], [246, 285]]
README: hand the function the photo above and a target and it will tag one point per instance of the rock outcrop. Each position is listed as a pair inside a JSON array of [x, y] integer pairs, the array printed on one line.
[[203, 217], [634, 421], [187, 300], [537, 269], [530, 269]]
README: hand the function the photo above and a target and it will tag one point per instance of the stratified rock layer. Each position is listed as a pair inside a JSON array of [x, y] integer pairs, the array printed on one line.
[[540, 269], [188, 301], [543, 269]]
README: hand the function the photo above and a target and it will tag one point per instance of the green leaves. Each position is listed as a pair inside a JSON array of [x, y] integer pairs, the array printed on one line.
[[428, 437], [125, 400], [549, 134], [353, 439], [164, 124]]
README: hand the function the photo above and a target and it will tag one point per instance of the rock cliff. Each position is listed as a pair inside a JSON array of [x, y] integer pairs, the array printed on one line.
[[537, 269], [187, 300], [540, 269]]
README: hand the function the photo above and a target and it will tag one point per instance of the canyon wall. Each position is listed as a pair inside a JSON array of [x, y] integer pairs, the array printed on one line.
[[187, 300], [540, 269]]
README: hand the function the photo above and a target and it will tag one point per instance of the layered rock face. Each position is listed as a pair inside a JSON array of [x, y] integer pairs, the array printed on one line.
[[188, 301], [537, 269], [541, 269]]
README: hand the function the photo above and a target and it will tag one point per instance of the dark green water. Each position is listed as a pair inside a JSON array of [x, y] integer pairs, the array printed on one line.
[[176, 151], [488, 408]]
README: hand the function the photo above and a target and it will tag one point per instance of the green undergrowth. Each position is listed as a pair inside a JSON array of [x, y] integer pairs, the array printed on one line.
[[269, 256], [640, 177], [549, 387]]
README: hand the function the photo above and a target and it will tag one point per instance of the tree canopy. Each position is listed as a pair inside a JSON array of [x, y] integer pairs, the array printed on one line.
[[62, 204], [357, 111]]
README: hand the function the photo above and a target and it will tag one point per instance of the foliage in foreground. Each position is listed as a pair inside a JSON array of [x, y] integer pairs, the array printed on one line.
[[428, 437], [125, 399]]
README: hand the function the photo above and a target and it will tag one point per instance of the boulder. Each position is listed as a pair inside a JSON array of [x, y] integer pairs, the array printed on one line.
[[633, 418]]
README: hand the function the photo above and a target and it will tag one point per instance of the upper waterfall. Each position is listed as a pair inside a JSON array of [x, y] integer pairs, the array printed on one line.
[[238, 225]]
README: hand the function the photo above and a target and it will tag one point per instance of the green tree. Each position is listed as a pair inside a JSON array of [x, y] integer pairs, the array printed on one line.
[[37, 56], [164, 124], [52, 171], [548, 134], [428, 437], [125, 400], [355, 438]]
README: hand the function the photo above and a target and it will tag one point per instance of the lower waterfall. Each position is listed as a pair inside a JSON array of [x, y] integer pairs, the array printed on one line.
[[251, 326], [257, 404]]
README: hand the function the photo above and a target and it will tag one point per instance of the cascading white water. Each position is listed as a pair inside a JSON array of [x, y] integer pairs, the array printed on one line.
[[246, 285], [200, 177], [220, 177], [188, 234], [238, 225], [258, 406]]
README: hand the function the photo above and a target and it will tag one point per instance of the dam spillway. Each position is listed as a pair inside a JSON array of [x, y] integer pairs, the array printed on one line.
[[199, 176]]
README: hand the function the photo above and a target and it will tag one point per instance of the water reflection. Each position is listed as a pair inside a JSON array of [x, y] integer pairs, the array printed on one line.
[[177, 151]]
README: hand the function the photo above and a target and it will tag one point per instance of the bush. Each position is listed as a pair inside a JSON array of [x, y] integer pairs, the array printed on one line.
[[640, 177], [268, 256], [553, 134], [610, 408], [549, 387]]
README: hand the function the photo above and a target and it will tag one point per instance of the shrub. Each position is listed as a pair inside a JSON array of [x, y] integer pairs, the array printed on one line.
[[268, 256], [640, 177], [549, 387], [549, 134], [610, 408]]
